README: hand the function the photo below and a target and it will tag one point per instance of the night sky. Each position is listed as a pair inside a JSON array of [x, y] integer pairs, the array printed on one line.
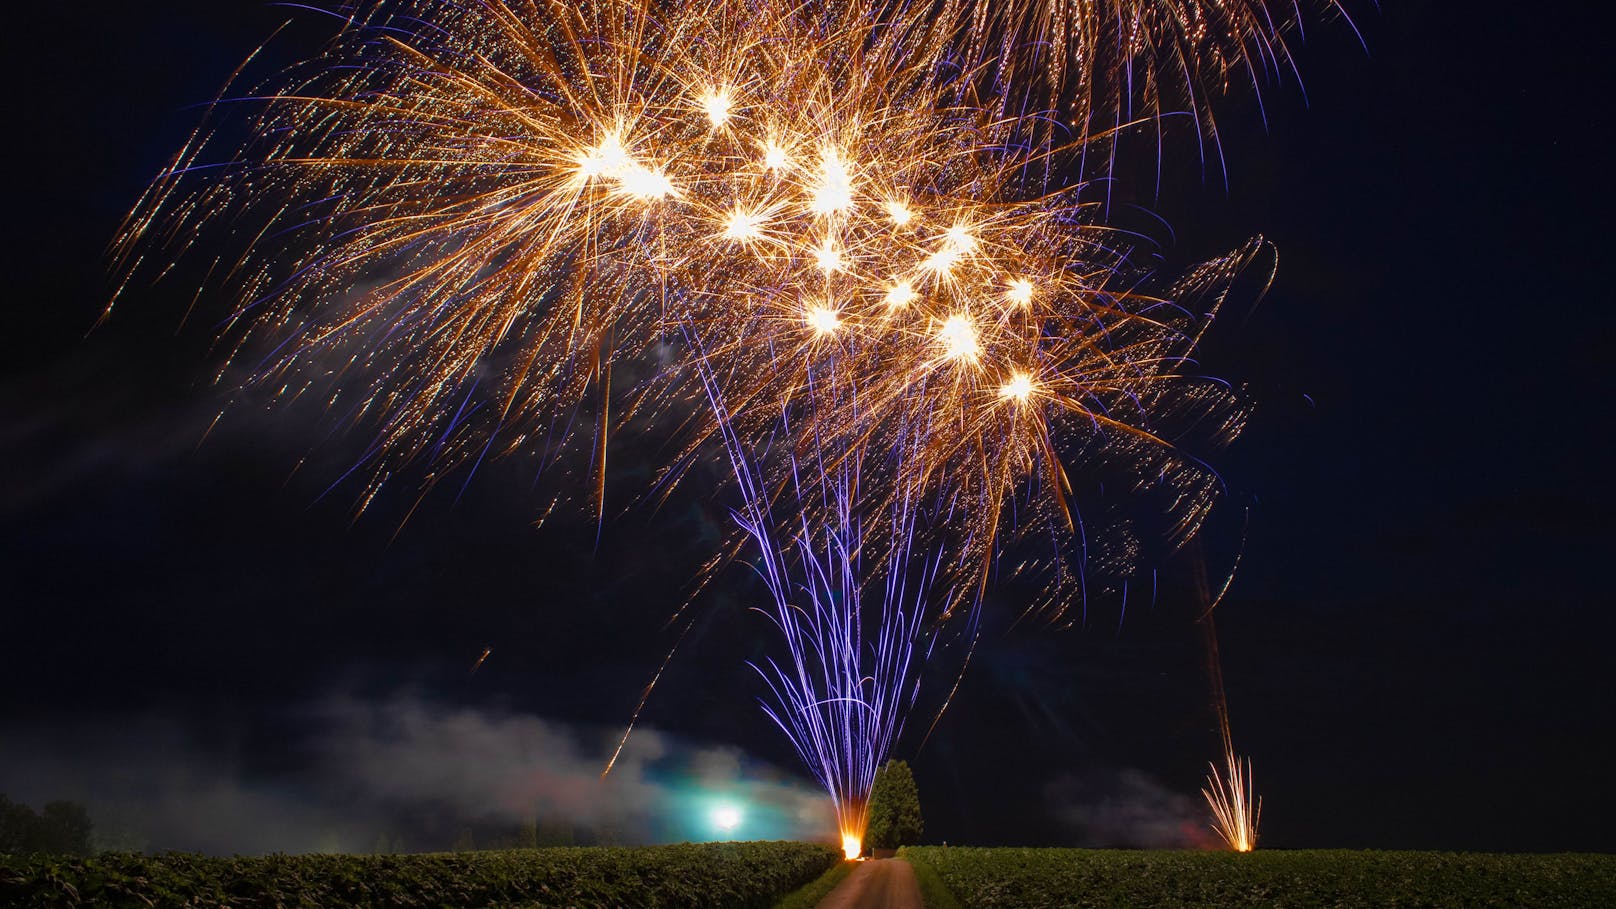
[[1416, 646]]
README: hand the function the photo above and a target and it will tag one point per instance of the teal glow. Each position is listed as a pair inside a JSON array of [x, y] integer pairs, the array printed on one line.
[[726, 818], [709, 815]]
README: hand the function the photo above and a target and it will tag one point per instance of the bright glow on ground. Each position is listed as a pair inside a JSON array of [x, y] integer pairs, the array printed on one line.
[[851, 846], [726, 818]]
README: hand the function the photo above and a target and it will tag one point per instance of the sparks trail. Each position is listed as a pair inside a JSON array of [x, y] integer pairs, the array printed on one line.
[[848, 601], [462, 226], [1230, 791], [784, 233], [1232, 796], [1104, 66]]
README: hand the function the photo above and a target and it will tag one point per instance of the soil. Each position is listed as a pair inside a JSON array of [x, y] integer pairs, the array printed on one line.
[[876, 884]]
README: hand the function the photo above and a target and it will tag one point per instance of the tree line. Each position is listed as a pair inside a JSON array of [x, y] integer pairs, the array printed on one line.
[[61, 827]]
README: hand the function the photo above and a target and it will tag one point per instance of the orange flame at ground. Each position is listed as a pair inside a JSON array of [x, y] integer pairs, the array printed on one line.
[[851, 845]]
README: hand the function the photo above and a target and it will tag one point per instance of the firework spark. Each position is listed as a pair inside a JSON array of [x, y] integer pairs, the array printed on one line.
[[854, 634], [849, 677], [458, 230], [1122, 60], [464, 214], [1231, 795]]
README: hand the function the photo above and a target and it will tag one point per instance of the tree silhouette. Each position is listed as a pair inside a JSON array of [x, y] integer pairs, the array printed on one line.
[[894, 808], [62, 828]]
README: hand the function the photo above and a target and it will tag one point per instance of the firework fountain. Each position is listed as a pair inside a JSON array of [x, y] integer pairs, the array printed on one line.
[[1233, 800], [848, 677], [1229, 791], [461, 216]]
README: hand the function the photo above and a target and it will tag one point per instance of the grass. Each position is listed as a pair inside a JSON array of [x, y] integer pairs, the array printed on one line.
[[808, 895], [1061, 878], [797, 876], [933, 894], [687, 876]]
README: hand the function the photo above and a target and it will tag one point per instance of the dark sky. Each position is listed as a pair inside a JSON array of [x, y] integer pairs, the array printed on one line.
[[1415, 647]]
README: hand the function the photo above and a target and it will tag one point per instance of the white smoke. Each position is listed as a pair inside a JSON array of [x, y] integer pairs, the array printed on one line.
[[403, 774], [1127, 808]]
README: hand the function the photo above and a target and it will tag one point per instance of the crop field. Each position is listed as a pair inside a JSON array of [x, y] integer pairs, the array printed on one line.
[[698, 876], [1048, 878]]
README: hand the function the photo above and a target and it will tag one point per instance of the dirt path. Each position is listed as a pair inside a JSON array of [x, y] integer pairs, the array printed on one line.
[[876, 884]]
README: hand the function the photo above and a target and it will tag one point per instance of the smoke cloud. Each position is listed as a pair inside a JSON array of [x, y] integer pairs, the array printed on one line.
[[1127, 808], [403, 774]]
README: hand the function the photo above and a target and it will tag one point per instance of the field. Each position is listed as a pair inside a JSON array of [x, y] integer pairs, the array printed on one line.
[[1047, 878], [704, 876], [723, 875]]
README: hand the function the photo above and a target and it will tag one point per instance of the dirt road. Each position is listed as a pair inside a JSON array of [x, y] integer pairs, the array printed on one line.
[[876, 884]]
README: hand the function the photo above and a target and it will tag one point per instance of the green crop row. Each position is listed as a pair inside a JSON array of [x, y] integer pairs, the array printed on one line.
[[698, 876], [1049, 878]]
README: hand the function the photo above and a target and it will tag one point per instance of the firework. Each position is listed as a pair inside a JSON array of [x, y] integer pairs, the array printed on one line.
[[882, 277], [792, 234], [848, 679], [1107, 63], [462, 215], [1233, 799], [462, 218]]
